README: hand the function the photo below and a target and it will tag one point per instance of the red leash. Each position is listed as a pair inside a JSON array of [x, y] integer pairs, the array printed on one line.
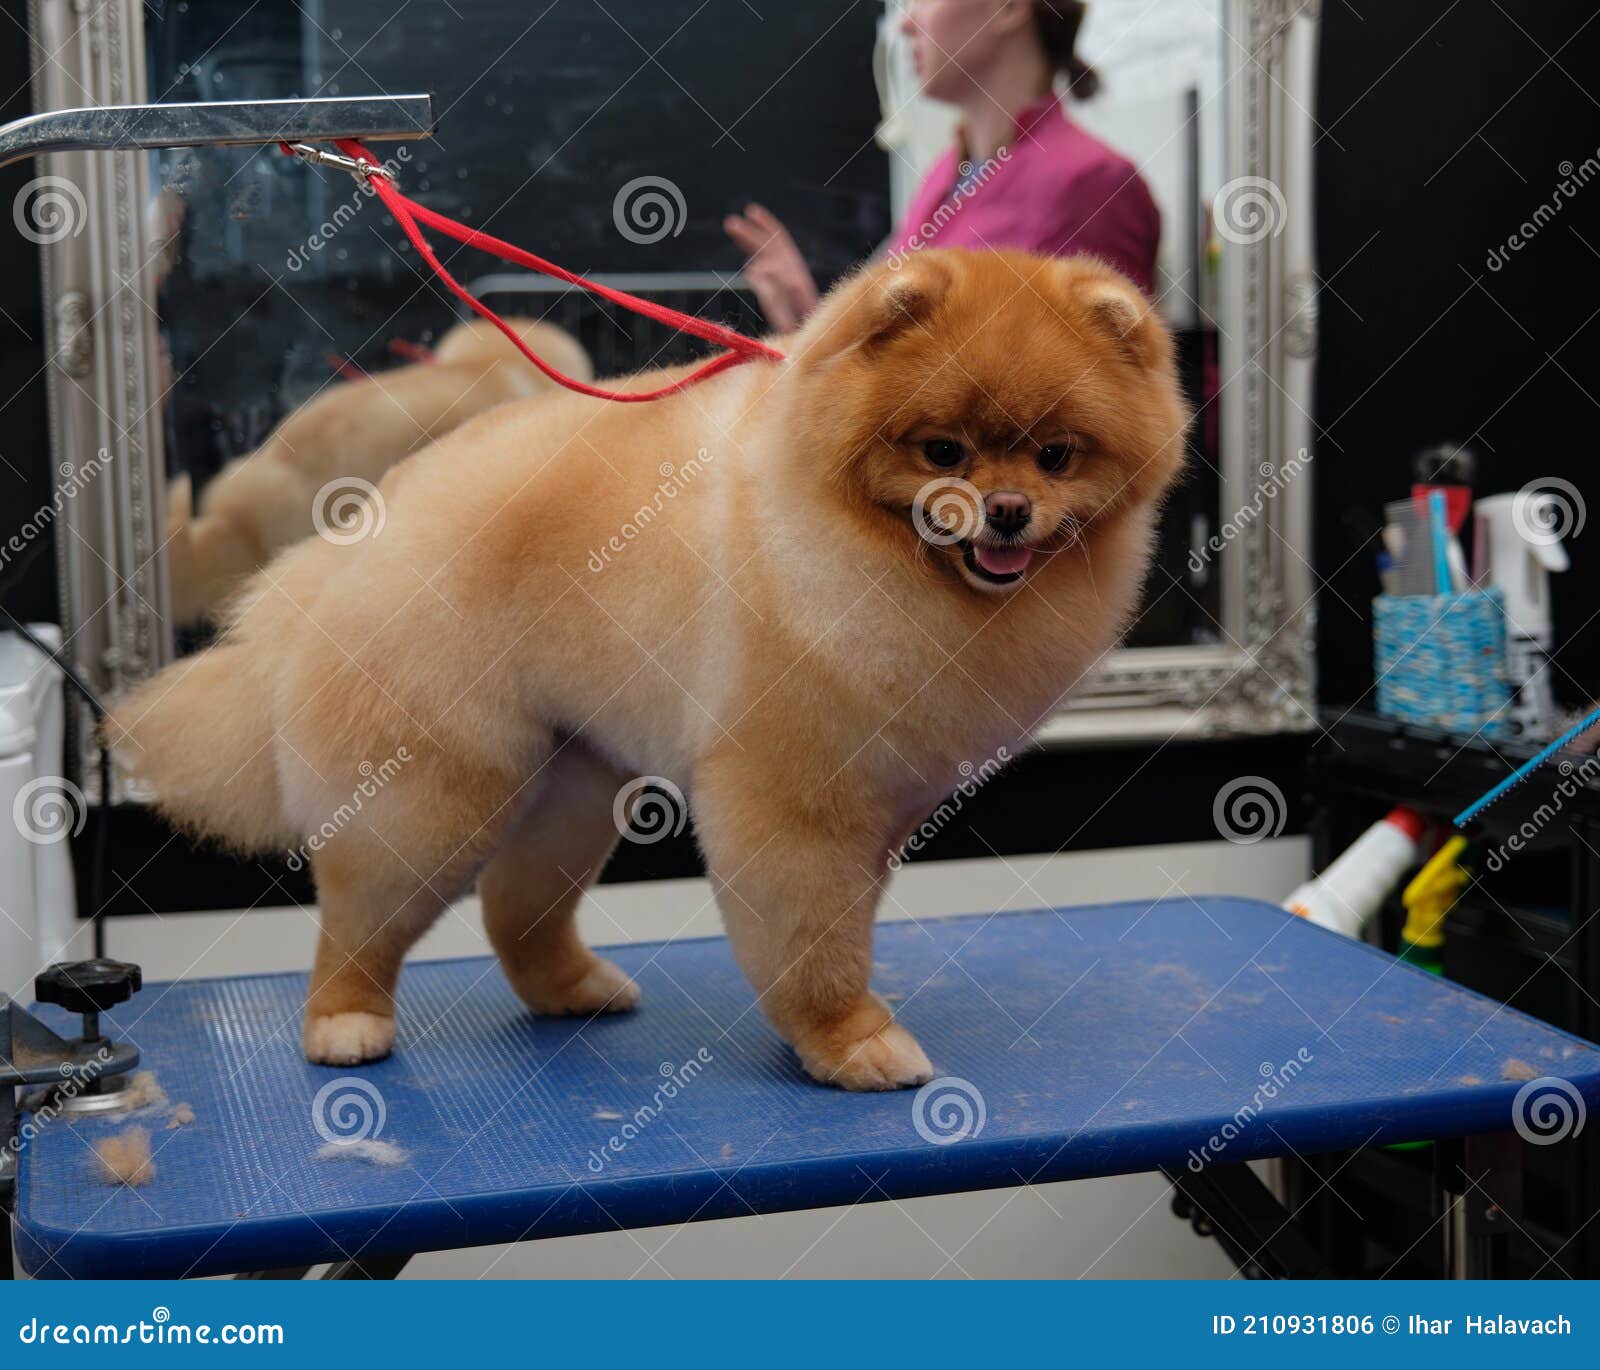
[[409, 215], [349, 369], [414, 352]]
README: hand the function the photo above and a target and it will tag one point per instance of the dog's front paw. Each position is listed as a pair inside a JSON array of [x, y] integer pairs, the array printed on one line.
[[602, 988], [867, 1050], [347, 1039]]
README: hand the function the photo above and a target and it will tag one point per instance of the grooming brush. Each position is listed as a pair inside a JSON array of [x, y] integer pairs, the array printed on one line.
[[1526, 769]]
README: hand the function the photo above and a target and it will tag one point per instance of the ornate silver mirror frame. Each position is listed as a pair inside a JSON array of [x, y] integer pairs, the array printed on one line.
[[1261, 677], [85, 210], [106, 436]]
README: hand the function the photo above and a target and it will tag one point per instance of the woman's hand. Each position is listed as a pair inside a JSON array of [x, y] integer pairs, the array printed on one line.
[[776, 270]]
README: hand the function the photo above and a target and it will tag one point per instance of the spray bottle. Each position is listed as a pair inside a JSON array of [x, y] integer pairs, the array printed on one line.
[[1352, 889], [1431, 894]]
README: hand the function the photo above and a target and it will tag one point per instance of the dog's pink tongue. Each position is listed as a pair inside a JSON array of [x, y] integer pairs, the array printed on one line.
[[1002, 561]]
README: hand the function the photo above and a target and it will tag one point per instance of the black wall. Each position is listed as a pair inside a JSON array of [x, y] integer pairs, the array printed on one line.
[[1444, 128]]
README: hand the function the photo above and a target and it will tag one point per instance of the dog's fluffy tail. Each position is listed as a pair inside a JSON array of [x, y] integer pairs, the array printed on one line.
[[202, 732]]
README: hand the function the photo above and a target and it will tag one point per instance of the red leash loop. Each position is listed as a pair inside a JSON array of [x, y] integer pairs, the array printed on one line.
[[348, 368], [409, 351], [409, 214]]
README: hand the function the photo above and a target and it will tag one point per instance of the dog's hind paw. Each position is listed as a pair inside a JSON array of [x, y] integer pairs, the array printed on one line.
[[347, 1039], [885, 1058], [602, 988]]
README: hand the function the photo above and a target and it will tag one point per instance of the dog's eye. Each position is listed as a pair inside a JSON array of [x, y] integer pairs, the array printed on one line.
[[943, 451], [1056, 456]]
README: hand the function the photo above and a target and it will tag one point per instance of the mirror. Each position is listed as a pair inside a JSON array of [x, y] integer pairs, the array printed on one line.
[[266, 310], [1155, 120]]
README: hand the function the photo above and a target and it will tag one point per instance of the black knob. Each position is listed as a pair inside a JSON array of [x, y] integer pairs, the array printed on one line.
[[87, 986]]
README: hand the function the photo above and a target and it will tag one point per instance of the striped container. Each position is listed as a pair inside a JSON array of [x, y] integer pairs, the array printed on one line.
[[1441, 661]]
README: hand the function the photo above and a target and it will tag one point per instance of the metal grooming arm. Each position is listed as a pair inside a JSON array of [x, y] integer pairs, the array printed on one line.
[[115, 128], [31, 1054]]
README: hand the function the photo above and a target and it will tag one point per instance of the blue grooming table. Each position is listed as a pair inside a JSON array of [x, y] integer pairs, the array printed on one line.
[[1100, 1041]]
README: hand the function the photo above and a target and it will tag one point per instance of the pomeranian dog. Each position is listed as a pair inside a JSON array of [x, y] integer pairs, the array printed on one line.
[[803, 593], [267, 500]]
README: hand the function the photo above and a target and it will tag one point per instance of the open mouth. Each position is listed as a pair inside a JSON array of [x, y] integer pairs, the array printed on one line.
[[996, 565]]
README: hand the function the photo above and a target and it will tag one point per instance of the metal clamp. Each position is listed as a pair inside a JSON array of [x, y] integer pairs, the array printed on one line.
[[317, 156], [82, 1074]]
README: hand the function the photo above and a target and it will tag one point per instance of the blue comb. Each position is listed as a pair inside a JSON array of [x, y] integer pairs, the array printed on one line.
[[1526, 769], [1439, 540]]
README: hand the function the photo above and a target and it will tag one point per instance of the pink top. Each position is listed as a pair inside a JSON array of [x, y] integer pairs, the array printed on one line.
[[1055, 188]]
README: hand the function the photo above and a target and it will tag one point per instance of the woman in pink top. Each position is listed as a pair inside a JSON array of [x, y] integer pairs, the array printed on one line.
[[1022, 174]]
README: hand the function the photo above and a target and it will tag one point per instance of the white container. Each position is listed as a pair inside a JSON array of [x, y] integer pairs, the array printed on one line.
[[1354, 887], [1518, 550], [38, 811]]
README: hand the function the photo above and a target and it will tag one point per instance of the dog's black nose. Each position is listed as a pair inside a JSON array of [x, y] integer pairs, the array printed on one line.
[[1008, 511]]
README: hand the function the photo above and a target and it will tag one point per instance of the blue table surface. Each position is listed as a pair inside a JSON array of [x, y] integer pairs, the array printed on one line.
[[1070, 1043]]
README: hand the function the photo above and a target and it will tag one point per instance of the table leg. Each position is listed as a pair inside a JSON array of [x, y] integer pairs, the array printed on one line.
[[1481, 1181], [1262, 1238], [367, 1268]]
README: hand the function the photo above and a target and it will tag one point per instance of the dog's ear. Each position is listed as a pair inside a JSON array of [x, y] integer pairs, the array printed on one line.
[[873, 307], [1116, 309]]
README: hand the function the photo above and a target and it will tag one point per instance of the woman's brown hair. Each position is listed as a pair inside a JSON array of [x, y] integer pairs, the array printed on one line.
[[1057, 23]]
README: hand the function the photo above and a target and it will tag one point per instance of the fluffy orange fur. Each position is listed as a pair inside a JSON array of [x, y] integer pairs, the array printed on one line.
[[261, 503], [538, 622]]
